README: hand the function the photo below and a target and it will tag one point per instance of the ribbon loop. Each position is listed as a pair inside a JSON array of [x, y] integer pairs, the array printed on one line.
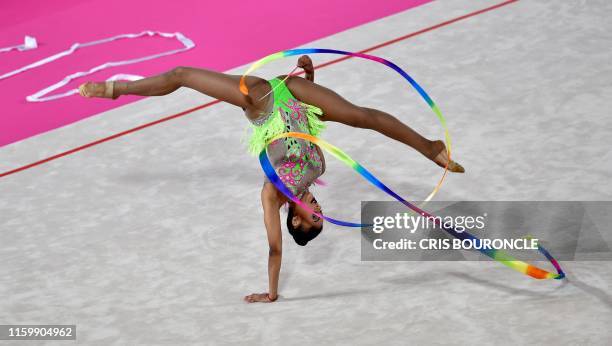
[[268, 169]]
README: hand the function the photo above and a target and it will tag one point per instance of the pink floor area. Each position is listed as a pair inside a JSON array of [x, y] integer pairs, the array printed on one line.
[[227, 34]]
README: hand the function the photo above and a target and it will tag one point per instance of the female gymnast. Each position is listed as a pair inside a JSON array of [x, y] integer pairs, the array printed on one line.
[[281, 105]]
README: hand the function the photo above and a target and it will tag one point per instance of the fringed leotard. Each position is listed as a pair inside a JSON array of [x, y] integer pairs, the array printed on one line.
[[296, 161]]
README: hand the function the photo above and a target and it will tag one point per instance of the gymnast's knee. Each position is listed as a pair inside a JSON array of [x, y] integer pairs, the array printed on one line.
[[361, 118], [178, 75]]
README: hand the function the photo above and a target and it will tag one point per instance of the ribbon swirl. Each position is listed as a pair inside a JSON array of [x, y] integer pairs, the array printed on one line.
[[268, 169]]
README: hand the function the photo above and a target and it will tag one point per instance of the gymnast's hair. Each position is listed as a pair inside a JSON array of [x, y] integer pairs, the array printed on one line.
[[300, 236]]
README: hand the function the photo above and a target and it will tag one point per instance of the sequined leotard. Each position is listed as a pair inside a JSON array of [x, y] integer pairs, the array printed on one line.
[[296, 161]]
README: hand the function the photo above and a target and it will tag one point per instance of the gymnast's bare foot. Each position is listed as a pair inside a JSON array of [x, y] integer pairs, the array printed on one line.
[[441, 158], [92, 89]]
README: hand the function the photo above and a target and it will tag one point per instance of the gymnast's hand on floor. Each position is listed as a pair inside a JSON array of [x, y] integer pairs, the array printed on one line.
[[260, 297], [305, 63]]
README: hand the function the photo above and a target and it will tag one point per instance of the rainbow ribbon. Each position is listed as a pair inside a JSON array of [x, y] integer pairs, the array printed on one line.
[[268, 169], [413, 83], [497, 255]]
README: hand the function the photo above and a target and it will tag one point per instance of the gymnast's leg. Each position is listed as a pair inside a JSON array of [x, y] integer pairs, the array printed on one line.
[[335, 108], [221, 86]]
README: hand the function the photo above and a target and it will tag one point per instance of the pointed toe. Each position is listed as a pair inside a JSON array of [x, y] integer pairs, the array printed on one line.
[[455, 167]]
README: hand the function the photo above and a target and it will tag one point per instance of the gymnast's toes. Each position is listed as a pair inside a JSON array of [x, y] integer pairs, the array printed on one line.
[[82, 90], [442, 159], [455, 167], [92, 89]]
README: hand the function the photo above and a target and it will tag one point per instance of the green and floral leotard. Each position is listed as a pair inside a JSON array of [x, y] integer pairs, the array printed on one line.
[[296, 161]]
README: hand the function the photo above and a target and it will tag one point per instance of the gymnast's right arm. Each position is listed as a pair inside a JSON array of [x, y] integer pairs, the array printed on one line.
[[271, 205]]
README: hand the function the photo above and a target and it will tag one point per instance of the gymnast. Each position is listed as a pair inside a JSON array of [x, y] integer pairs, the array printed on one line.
[[283, 104]]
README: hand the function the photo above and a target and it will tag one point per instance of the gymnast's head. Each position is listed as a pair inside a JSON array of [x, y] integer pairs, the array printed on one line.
[[303, 225]]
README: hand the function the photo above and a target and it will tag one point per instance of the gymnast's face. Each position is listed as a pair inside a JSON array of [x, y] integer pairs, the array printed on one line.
[[305, 218]]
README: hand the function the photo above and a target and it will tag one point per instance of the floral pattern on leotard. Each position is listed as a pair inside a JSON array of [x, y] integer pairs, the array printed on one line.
[[297, 113], [297, 162], [294, 147], [313, 155], [292, 171]]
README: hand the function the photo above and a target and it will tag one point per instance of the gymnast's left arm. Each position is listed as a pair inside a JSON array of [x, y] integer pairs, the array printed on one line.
[[271, 208]]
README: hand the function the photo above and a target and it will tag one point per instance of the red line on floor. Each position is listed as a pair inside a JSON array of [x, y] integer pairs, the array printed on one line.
[[120, 134]]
